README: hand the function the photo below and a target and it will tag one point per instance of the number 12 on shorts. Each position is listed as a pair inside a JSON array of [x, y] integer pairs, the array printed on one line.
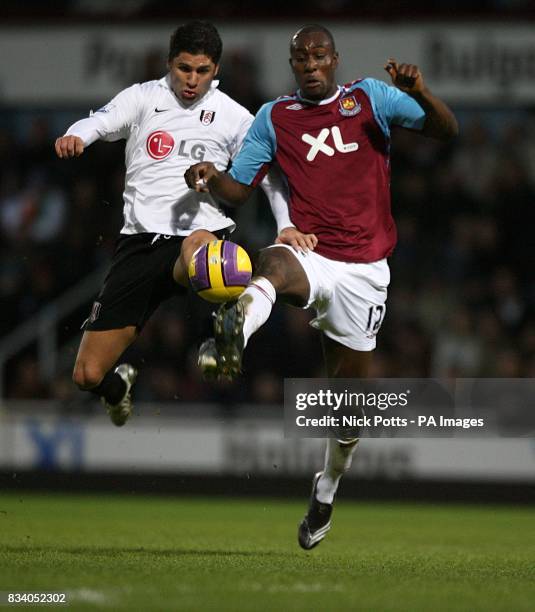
[[376, 314]]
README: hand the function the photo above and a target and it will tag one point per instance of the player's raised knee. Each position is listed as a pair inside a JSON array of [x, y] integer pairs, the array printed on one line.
[[273, 264], [190, 244], [87, 375], [195, 240], [280, 266]]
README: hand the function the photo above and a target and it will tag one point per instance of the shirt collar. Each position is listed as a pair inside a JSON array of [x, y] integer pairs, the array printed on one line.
[[320, 102]]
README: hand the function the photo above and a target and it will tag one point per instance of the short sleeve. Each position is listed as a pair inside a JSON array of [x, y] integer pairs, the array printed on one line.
[[244, 123], [391, 106], [258, 150]]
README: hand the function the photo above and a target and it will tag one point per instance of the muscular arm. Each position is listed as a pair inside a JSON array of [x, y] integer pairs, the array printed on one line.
[[440, 122], [206, 177]]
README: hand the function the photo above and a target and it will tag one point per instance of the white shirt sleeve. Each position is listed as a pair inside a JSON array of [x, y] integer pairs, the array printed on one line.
[[242, 128], [89, 130], [273, 184], [276, 190], [111, 122]]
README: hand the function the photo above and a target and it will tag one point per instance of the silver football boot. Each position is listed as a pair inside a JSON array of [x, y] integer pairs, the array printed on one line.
[[208, 360], [120, 412]]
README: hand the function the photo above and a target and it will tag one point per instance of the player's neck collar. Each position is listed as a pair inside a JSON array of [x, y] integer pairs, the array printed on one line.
[[320, 102]]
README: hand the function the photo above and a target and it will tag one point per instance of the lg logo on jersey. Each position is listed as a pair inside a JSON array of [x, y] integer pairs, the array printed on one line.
[[318, 143], [160, 144], [196, 151]]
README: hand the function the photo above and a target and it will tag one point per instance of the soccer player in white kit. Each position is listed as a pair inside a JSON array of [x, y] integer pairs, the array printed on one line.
[[168, 124]]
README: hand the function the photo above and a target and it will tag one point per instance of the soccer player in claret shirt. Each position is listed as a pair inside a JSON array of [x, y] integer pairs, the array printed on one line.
[[332, 143], [168, 124]]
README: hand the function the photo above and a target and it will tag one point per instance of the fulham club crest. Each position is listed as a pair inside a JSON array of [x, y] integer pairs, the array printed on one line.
[[349, 106], [207, 117]]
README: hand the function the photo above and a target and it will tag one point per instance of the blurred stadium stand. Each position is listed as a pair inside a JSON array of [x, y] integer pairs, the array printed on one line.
[[462, 297], [155, 10]]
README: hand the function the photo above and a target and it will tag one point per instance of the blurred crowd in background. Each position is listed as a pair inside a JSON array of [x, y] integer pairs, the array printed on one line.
[[461, 300], [161, 9]]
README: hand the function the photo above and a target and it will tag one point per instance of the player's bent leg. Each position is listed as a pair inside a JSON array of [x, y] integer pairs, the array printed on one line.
[[341, 362], [278, 273], [208, 359], [280, 266], [190, 244], [344, 362], [98, 352]]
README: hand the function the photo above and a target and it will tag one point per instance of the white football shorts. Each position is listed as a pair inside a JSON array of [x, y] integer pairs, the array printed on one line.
[[349, 298]]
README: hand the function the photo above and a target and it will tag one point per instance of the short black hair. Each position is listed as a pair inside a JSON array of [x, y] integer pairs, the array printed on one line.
[[310, 29], [197, 38]]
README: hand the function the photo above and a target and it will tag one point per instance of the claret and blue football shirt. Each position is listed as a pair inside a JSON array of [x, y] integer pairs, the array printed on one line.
[[335, 157]]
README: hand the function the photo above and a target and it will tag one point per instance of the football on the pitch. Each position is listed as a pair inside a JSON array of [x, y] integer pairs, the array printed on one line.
[[220, 270]]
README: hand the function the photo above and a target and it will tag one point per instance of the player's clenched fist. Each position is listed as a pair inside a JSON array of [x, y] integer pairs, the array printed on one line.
[[69, 146], [406, 77], [197, 176]]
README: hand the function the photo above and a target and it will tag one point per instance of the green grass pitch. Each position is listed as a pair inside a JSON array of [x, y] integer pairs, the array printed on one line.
[[152, 553]]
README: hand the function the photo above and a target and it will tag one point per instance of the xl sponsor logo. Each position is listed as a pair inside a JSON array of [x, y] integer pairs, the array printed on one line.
[[318, 143]]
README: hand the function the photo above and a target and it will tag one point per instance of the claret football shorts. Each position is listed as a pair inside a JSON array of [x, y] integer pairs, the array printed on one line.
[[349, 298]]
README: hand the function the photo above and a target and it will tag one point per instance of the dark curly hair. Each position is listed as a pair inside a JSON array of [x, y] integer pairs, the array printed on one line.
[[197, 38]]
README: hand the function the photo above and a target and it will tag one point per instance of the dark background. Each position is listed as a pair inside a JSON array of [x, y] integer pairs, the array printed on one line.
[[462, 295]]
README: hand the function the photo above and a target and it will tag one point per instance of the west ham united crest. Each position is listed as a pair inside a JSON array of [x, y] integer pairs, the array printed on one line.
[[207, 117], [349, 106]]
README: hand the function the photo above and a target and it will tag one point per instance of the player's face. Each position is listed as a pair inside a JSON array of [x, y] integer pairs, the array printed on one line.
[[191, 76], [314, 62]]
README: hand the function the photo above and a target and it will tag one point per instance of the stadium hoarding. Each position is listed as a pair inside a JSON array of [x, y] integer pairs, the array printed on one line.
[[490, 64], [245, 446]]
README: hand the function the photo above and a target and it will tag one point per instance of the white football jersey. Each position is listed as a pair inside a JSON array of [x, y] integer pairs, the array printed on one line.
[[163, 139]]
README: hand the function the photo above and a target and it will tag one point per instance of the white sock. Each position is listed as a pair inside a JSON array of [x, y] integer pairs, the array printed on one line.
[[338, 459], [258, 298]]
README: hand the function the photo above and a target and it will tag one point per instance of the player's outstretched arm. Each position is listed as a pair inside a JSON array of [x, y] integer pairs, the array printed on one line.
[[440, 122], [206, 177], [69, 146]]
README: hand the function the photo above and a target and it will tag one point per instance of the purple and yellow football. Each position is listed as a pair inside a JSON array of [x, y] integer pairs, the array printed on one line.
[[220, 270]]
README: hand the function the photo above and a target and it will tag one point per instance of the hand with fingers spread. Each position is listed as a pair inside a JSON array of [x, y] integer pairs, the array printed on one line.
[[406, 77], [197, 176], [69, 146], [296, 239]]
